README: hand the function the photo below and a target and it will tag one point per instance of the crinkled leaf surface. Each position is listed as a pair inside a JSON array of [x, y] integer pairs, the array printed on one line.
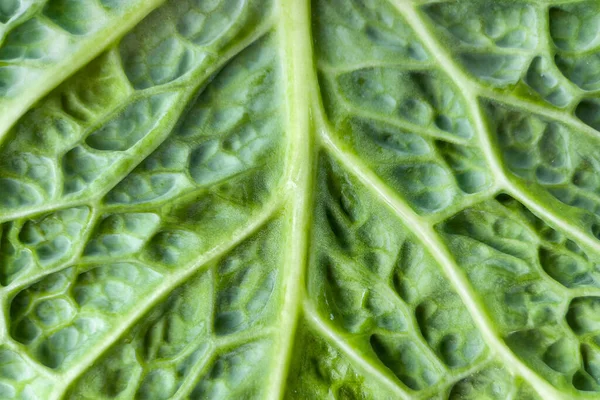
[[222, 199]]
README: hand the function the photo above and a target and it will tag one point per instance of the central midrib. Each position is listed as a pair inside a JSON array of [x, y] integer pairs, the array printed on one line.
[[297, 64]]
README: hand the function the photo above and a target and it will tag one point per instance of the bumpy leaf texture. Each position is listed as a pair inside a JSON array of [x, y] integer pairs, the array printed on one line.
[[345, 199]]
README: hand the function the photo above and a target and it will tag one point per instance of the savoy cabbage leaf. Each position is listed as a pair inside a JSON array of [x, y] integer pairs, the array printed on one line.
[[347, 199]]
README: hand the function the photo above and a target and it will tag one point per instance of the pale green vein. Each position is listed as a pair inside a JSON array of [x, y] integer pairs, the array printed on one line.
[[221, 343], [546, 46], [151, 142], [85, 51], [46, 208], [472, 90], [403, 65], [17, 20], [449, 380], [460, 204], [382, 288], [566, 292], [196, 81], [296, 54], [545, 390], [558, 221], [510, 51], [200, 367], [169, 283], [337, 341], [561, 116], [19, 284], [244, 337], [406, 126], [21, 351], [427, 235], [193, 376], [514, 188]]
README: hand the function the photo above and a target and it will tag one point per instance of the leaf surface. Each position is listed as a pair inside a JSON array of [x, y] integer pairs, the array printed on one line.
[[329, 199]]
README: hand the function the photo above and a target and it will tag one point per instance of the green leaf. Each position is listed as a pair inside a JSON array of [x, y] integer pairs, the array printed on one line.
[[222, 199]]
